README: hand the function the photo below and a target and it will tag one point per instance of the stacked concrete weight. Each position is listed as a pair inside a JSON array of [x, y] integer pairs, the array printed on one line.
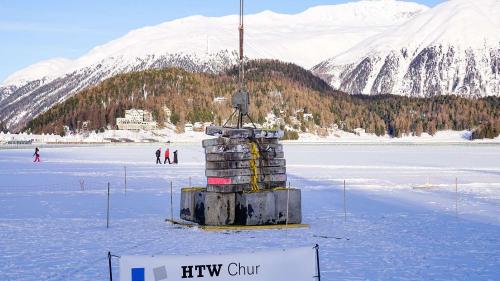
[[231, 165], [243, 187]]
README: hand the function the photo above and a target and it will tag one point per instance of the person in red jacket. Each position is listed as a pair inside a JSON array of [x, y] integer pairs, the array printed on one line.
[[167, 156]]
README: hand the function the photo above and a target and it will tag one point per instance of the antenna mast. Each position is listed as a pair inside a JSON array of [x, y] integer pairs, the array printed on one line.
[[241, 99], [241, 29]]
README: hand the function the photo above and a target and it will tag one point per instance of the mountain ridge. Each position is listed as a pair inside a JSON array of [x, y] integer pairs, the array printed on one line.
[[293, 97], [453, 48], [200, 43], [223, 29]]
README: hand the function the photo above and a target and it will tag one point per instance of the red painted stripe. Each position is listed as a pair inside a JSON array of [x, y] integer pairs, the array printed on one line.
[[219, 181]]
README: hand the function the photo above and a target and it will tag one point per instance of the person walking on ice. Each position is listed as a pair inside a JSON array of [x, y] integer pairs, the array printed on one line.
[[37, 155], [167, 156], [175, 157], [158, 154]]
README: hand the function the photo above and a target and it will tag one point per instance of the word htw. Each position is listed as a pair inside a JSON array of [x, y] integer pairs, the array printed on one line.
[[201, 269]]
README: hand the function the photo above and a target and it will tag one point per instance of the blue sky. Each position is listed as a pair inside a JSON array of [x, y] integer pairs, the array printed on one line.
[[33, 30]]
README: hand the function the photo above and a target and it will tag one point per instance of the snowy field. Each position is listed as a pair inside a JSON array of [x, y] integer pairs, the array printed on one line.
[[50, 229]]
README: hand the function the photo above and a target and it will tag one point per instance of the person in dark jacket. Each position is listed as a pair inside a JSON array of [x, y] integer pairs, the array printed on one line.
[[37, 155], [158, 154], [175, 157], [167, 156]]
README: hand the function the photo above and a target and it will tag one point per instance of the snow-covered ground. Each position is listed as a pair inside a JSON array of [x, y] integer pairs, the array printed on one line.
[[52, 230], [169, 134]]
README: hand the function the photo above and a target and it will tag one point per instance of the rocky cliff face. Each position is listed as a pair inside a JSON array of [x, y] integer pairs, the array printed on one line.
[[435, 70], [451, 49]]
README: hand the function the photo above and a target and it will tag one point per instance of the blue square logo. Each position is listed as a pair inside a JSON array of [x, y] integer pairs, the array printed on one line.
[[138, 274]]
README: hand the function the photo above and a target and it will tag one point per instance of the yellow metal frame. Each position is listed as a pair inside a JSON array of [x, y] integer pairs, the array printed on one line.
[[253, 165], [192, 189], [237, 227]]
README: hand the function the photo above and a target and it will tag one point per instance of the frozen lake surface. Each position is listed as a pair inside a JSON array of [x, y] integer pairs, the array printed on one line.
[[52, 230]]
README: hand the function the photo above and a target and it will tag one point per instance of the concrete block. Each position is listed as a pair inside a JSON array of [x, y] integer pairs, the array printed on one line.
[[246, 179], [268, 134], [199, 207], [244, 187], [222, 165], [294, 207], [272, 184], [188, 197], [228, 132], [223, 141], [242, 148], [255, 208], [228, 188], [243, 133], [245, 172], [235, 141], [219, 208], [237, 156]]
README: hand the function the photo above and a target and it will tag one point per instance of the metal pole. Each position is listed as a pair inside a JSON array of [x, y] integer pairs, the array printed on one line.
[[125, 180], [241, 30], [107, 216], [109, 265], [345, 208], [456, 197], [171, 202], [287, 207], [189, 182], [317, 262]]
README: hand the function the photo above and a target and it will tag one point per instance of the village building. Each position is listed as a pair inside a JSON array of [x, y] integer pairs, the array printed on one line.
[[200, 126], [136, 119], [220, 100], [168, 113]]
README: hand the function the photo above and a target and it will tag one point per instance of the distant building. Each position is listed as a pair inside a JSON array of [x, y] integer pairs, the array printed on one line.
[[188, 127], [200, 126], [136, 119], [168, 113], [308, 116], [220, 100], [359, 131]]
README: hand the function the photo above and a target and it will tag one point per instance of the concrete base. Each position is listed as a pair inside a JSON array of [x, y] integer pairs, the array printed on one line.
[[188, 198], [294, 205], [219, 209], [199, 208], [255, 208], [241, 208]]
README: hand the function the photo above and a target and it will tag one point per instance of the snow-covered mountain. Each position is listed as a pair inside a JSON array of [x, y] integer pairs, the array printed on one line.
[[453, 48], [201, 43]]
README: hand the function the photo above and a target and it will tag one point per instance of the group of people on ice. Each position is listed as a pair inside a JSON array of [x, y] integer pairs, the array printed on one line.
[[167, 156], [158, 155]]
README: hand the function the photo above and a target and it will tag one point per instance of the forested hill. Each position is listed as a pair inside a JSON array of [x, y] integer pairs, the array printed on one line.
[[286, 90]]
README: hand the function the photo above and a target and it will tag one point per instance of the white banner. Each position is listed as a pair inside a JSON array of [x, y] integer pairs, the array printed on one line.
[[279, 265]]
